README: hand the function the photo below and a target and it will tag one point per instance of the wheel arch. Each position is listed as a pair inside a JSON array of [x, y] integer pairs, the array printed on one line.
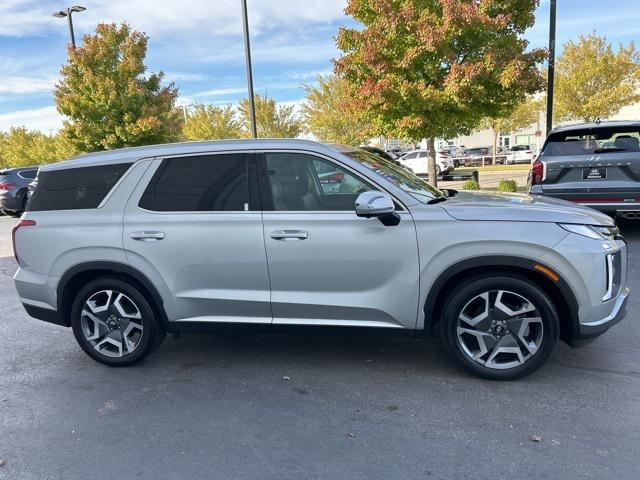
[[77, 276], [558, 290]]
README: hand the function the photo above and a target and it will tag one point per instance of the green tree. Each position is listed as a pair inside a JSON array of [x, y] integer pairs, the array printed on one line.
[[211, 122], [21, 147], [272, 120], [108, 100], [591, 80], [522, 116], [330, 116], [434, 68]]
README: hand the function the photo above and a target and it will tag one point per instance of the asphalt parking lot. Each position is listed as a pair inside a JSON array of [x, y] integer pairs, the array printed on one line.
[[265, 406]]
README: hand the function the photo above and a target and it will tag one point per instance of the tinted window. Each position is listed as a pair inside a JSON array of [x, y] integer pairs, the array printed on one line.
[[202, 183], [593, 140], [75, 188], [28, 174], [301, 182]]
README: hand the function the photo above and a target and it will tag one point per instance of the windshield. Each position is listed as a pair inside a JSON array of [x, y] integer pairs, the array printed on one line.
[[397, 175], [593, 140]]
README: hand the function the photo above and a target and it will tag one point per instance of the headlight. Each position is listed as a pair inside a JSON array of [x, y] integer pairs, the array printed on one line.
[[596, 232]]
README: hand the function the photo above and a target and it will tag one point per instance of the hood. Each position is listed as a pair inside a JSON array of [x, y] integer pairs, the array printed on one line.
[[514, 207]]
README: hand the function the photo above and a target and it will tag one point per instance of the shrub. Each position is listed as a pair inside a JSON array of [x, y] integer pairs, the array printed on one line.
[[507, 186], [471, 185]]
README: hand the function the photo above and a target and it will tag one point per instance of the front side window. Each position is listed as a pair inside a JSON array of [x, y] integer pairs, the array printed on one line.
[[75, 188], [399, 176], [302, 182], [199, 183]]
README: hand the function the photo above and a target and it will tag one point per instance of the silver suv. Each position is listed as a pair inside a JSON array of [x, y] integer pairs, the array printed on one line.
[[125, 246]]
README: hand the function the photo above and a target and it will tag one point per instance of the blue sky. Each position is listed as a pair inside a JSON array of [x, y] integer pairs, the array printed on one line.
[[198, 44]]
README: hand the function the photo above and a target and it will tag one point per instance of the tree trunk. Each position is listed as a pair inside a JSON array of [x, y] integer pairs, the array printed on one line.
[[431, 162], [495, 145]]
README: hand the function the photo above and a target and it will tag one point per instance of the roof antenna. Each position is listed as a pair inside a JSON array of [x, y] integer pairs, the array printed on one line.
[[598, 121]]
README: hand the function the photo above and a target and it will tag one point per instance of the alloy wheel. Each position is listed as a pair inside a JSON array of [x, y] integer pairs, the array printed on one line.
[[500, 329], [112, 323]]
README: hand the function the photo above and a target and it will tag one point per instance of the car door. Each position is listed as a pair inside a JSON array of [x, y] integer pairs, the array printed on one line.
[[193, 227], [327, 266]]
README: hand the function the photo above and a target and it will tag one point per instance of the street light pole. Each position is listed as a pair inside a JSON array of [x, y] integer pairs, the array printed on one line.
[[552, 60], [247, 53], [69, 13]]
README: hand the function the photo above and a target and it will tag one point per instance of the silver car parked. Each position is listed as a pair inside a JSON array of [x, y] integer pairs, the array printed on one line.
[[125, 246]]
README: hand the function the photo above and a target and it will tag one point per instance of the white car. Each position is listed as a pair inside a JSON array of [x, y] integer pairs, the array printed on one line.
[[416, 161], [519, 154]]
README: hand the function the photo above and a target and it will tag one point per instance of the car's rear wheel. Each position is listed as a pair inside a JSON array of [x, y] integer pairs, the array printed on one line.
[[114, 323], [500, 327]]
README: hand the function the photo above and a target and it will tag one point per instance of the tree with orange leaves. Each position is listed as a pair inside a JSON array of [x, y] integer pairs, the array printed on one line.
[[434, 68]]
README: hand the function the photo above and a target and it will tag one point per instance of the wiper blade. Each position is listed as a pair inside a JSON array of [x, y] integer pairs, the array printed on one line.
[[437, 200]]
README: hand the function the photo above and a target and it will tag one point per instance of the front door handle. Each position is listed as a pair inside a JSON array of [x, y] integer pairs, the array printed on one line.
[[287, 235], [146, 236]]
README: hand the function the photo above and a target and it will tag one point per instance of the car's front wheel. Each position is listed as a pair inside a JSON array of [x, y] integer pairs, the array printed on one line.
[[499, 327], [114, 323]]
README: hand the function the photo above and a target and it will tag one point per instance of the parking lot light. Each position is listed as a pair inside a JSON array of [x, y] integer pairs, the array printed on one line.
[[68, 13]]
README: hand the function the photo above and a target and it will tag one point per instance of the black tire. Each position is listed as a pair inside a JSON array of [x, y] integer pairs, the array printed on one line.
[[152, 333], [470, 289]]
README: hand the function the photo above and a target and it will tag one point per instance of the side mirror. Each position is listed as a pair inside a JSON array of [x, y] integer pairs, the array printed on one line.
[[379, 205]]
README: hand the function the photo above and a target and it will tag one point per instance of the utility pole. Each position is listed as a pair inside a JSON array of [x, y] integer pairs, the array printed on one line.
[[552, 60], [68, 13], [247, 53]]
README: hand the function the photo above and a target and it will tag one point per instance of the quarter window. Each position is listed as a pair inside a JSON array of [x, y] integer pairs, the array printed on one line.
[[302, 182], [199, 183], [75, 188]]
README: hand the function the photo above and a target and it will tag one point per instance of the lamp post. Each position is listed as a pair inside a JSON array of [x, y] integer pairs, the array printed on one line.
[[68, 13], [247, 53], [552, 60]]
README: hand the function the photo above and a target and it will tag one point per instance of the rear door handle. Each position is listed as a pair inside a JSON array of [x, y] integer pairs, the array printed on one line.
[[146, 236], [289, 235]]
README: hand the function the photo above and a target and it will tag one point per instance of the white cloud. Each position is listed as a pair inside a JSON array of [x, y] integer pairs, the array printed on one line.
[[184, 77], [23, 84], [46, 119], [194, 17]]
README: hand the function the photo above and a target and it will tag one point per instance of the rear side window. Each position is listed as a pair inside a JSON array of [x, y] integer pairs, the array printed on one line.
[[211, 183], [75, 188], [593, 141], [28, 174]]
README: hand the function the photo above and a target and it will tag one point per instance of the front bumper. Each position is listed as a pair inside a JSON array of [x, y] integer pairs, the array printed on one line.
[[590, 330]]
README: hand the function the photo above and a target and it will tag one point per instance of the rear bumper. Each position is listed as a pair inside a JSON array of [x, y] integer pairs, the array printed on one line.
[[584, 333], [44, 314], [608, 202]]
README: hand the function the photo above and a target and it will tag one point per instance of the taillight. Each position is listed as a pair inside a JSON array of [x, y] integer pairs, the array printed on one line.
[[536, 175], [6, 186], [20, 224]]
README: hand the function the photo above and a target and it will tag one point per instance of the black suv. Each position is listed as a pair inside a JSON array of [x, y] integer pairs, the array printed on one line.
[[14, 183]]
